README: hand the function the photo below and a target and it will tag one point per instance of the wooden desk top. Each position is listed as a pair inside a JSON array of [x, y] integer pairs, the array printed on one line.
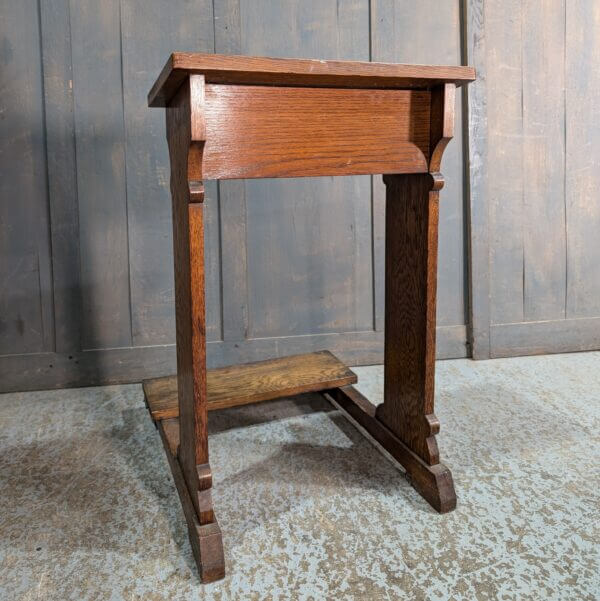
[[250, 70]]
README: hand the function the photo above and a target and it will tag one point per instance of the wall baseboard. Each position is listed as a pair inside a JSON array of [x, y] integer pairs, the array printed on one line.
[[40, 371], [540, 337]]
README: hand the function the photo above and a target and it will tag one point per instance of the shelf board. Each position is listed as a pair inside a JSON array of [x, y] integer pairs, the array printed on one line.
[[254, 382]]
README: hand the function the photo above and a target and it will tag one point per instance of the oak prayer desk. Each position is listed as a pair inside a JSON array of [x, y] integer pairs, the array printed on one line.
[[234, 117]]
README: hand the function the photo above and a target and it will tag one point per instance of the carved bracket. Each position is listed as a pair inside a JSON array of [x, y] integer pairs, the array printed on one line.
[[441, 124]]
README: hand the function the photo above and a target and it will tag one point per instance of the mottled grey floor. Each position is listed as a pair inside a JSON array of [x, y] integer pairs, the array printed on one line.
[[308, 507]]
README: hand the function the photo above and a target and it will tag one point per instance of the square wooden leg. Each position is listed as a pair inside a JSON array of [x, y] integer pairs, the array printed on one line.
[[186, 440], [405, 424]]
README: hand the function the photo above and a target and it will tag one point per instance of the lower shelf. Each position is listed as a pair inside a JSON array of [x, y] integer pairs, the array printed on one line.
[[264, 380], [253, 382]]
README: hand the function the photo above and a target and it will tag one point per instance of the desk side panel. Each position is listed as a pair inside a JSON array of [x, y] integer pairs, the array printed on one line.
[[260, 131]]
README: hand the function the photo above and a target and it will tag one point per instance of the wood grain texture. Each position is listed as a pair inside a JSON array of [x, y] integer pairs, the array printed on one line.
[[429, 32], [540, 71], [477, 222], [255, 131], [412, 213], [101, 177], [188, 246], [232, 200], [286, 132], [582, 122], [62, 173], [536, 338], [433, 482], [544, 243], [254, 382], [26, 308], [323, 300], [248, 70], [505, 185], [205, 539], [443, 100], [149, 31], [42, 371]]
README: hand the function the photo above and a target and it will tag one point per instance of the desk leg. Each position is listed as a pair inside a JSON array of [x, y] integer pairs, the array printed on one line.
[[410, 318], [190, 466], [189, 451]]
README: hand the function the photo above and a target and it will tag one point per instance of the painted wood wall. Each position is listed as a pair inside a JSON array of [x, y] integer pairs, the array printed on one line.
[[535, 175], [85, 224]]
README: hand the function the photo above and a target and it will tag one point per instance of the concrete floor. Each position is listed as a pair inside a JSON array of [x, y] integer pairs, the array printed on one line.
[[309, 508]]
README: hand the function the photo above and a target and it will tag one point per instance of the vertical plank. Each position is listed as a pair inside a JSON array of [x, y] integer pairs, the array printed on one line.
[[430, 32], [232, 196], [544, 241], [26, 306], [309, 256], [412, 214], [505, 158], [309, 240], [582, 152], [101, 186], [478, 223], [150, 32], [61, 165], [188, 248]]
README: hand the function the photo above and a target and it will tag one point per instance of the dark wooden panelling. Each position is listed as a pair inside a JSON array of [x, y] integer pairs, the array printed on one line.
[[539, 337], [541, 64], [101, 185], [272, 267], [543, 173], [232, 196], [26, 323], [478, 223], [61, 164], [134, 364], [308, 278], [505, 187], [309, 253], [149, 33], [583, 159], [429, 31]]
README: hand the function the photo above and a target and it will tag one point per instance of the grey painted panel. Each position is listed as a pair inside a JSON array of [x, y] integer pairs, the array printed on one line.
[[309, 256], [149, 34], [62, 179], [232, 198], [478, 254], [101, 185], [539, 337], [503, 22], [26, 311], [583, 159], [430, 32], [309, 241], [544, 160], [543, 113]]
